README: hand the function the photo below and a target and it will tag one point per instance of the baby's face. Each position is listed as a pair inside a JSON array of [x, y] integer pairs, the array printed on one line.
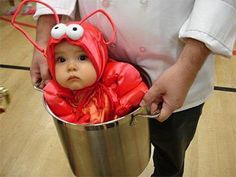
[[73, 69]]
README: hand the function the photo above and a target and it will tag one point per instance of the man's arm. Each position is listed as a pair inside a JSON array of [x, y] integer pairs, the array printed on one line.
[[39, 68], [171, 88]]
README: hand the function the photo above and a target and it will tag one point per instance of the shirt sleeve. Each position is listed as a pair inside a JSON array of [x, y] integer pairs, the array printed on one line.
[[62, 7], [214, 23]]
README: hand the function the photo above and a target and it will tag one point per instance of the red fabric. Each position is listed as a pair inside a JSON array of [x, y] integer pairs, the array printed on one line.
[[125, 86], [80, 107]]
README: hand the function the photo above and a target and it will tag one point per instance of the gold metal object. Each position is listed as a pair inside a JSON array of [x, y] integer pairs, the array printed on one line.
[[4, 99]]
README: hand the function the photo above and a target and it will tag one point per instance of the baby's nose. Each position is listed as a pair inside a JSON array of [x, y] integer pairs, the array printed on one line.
[[72, 66]]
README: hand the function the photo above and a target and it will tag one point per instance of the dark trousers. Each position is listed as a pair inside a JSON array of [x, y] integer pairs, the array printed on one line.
[[171, 139]]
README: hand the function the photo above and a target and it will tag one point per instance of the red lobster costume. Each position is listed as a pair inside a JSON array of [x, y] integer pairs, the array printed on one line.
[[118, 89]]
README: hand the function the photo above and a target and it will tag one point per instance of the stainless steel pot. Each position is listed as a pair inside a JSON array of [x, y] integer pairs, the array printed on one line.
[[116, 148]]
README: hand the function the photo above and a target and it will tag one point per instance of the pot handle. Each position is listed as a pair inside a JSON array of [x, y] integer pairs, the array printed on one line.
[[36, 87], [140, 111], [143, 112]]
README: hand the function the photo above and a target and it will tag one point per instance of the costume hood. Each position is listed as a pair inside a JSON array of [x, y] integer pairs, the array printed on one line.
[[86, 36]]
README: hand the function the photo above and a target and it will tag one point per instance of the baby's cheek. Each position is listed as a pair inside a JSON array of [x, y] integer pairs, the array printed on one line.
[[92, 77], [60, 75]]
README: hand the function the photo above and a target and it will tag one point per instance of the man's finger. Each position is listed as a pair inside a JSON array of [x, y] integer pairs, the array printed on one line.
[[35, 77], [45, 75], [154, 107], [165, 113], [154, 94]]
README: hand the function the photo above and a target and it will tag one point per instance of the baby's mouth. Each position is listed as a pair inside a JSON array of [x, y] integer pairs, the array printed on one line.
[[73, 78]]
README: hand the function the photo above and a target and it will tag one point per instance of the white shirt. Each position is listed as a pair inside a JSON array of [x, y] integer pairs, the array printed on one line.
[[150, 32]]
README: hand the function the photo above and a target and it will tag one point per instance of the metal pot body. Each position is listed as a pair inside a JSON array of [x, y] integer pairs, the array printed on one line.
[[116, 148]]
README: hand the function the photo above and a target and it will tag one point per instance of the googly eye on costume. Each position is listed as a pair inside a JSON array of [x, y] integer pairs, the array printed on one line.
[[58, 31], [74, 31]]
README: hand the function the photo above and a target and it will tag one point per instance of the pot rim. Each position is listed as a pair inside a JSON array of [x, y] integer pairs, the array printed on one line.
[[115, 121]]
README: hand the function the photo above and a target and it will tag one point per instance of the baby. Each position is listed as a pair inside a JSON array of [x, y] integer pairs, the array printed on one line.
[[87, 86]]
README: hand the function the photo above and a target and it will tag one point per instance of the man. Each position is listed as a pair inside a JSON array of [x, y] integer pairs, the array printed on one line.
[[174, 42]]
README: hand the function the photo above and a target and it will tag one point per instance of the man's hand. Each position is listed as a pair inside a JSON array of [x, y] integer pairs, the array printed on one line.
[[170, 89], [39, 70]]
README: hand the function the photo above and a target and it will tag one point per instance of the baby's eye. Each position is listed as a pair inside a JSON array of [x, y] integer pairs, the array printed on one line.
[[83, 57], [60, 59]]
